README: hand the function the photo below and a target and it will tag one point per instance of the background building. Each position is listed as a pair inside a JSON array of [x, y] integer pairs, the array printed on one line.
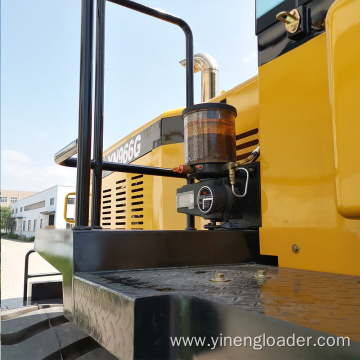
[[9, 197], [43, 210]]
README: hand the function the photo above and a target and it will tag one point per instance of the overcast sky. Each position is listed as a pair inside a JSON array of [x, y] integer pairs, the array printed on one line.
[[40, 55]]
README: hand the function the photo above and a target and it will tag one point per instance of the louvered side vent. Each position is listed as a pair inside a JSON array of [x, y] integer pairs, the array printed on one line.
[[106, 209], [137, 202], [120, 207], [246, 143]]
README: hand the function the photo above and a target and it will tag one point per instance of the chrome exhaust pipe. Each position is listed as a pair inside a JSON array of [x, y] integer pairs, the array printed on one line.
[[209, 74]]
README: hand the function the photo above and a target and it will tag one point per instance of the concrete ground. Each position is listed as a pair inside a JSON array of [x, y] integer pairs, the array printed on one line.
[[12, 271]]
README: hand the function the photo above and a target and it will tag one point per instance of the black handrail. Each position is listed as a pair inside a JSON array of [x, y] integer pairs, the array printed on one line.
[[128, 168], [99, 93], [188, 34], [84, 163], [27, 276]]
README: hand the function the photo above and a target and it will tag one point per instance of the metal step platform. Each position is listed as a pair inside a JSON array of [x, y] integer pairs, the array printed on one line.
[[42, 332], [133, 313]]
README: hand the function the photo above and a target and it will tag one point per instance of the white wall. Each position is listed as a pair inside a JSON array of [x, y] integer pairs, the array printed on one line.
[[41, 215]]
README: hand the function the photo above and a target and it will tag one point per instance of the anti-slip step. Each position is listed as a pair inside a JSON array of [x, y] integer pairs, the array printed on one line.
[[134, 313]]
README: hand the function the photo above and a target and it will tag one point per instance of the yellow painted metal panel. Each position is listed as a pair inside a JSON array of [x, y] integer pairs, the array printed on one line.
[[245, 98], [297, 166], [343, 34], [331, 249], [164, 213]]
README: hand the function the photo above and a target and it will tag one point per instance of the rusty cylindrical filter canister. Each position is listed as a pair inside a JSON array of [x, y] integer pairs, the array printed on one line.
[[209, 133]]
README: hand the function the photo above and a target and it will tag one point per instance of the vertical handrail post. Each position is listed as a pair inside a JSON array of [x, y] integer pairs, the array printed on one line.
[[98, 115], [190, 219], [26, 274], [85, 117]]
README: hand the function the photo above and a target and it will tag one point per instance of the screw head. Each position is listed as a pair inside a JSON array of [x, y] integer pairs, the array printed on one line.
[[261, 276], [220, 277], [295, 248], [261, 273]]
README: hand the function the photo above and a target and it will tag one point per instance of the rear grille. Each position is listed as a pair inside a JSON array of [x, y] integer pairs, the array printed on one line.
[[137, 202], [246, 143]]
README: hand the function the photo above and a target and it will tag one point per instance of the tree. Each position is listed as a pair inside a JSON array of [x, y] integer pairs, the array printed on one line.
[[6, 221]]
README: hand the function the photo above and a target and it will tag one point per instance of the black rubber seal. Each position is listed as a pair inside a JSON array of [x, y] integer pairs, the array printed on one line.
[[209, 106]]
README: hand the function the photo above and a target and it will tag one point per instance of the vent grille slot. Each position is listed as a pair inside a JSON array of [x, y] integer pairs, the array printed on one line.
[[120, 207], [137, 206], [137, 196], [246, 143], [106, 209], [137, 177]]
